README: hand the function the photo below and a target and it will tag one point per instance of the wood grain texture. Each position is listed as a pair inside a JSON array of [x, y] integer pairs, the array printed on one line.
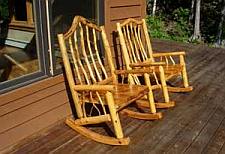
[[81, 54], [26, 91], [137, 49], [195, 125]]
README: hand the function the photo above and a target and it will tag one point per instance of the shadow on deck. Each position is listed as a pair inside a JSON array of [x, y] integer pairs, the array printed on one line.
[[195, 125]]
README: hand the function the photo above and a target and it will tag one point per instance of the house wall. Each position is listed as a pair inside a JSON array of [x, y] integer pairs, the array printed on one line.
[[27, 110], [118, 11]]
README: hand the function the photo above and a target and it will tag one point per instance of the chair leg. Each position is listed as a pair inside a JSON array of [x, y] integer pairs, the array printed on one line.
[[186, 87], [184, 72], [150, 94], [167, 103], [153, 115], [163, 84], [114, 115]]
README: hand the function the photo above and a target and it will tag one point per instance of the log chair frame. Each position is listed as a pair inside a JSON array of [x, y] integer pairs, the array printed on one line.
[[90, 84], [134, 39]]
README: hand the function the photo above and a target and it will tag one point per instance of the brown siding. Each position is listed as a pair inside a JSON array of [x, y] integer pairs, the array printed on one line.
[[27, 110], [118, 11]]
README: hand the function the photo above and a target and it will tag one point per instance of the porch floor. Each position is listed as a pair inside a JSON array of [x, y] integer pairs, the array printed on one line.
[[195, 125]]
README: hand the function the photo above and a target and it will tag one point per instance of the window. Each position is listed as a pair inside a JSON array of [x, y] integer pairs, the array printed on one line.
[[61, 15], [31, 45], [22, 59], [21, 12]]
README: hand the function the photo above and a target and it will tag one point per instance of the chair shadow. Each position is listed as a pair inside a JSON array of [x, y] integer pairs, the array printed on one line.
[[69, 94]]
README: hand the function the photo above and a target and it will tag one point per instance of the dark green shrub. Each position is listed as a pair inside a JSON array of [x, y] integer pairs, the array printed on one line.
[[156, 27], [4, 11], [175, 29]]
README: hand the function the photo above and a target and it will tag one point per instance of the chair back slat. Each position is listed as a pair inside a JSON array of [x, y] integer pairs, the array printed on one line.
[[147, 39], [91, 53], [75, 58], [130, 44], [84, 41], [135, 41], [98, 55], [135, 37], [142, 49], [83, 48]]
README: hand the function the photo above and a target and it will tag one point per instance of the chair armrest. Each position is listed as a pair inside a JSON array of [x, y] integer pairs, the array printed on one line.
[[177, 53], [94, 87], [147, 64], [135, 71]]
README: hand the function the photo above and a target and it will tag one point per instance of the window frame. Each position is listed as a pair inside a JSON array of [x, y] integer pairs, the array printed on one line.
[[42, 48], [29, 22]]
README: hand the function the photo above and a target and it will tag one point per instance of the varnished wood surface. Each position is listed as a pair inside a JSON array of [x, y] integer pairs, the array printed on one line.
[[195, 125], [81, 42]]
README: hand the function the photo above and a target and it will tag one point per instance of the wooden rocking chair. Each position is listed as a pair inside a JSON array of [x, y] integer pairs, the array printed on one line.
[[137, 53], [93, 86]]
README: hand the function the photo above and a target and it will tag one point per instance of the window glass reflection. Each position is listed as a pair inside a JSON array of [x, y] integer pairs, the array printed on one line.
[[62, 17], [18, 52]]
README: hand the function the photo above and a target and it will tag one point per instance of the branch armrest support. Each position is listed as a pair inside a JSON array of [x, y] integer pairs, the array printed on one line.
[[178, 53], [147, 64], [135, 71], [95, 88]]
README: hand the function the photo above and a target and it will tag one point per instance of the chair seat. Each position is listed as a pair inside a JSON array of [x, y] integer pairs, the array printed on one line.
[[125, 94], [172, 69]]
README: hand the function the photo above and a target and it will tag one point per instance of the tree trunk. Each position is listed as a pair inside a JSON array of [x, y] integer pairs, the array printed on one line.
[[191, 16], [197, 34], [154, 8], [220, 27], [148, 7]]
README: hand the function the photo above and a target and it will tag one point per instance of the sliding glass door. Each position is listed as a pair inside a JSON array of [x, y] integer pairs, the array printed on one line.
[[61, 14]]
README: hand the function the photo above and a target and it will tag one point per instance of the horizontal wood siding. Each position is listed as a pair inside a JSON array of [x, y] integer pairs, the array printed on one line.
[[27, 90], [118, 11], [26, 111]]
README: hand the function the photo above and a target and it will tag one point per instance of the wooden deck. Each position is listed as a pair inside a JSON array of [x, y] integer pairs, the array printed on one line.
[[195, 125]]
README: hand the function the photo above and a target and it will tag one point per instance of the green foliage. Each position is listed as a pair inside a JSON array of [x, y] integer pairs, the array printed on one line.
[[156, 27], [4, 11], [175, 22], [176, 29], [181, 29]]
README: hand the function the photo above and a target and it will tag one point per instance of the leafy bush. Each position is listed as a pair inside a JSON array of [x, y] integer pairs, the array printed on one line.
[[181, 27], [4, 12], [176, 29], [156, 27]]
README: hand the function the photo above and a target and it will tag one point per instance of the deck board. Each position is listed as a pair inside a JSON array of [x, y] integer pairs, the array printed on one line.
[[195, 125], [217, 141], [207, 132], [222, 150]]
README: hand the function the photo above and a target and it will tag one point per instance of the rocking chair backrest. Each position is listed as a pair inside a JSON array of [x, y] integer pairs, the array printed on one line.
[[81, 49], [135, 39]]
